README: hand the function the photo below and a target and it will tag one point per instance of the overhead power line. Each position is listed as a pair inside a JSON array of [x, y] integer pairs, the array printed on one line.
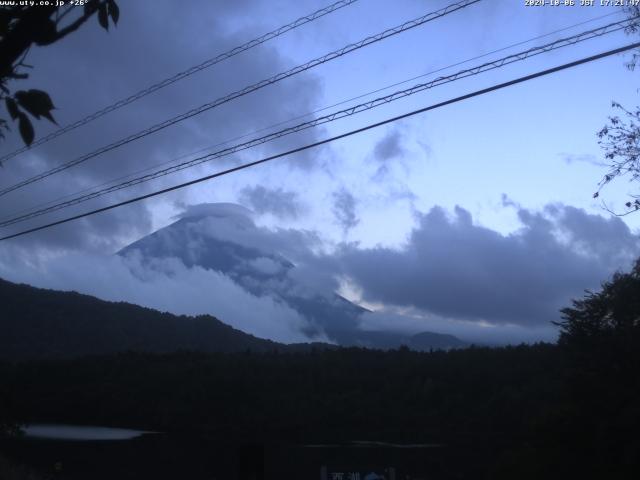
[[252, 88], [485, 67], [184, 74], [332, 139], [304, 115], [59, 199]]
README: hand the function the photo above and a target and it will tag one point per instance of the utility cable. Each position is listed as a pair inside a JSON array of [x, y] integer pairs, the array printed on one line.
[[299, 117], [587, 35], [185, 73], [256, 86], [331, 139]]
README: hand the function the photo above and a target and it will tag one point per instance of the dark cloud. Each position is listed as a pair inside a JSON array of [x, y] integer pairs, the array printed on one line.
[[389, 152], [97, 233], [344, 209], [455, 269], [390, 147], [92, 68], [281, 203]]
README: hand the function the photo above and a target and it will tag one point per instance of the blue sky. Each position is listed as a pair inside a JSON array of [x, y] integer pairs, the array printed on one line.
[[529, 151], [531, 142]]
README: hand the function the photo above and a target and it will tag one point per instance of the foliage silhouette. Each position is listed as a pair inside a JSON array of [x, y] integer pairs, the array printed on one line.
[[21, 27], [620, 138], [600, 339]]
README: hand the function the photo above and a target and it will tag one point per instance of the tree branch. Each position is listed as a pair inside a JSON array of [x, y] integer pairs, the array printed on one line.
[[606, 207], [72, 27]]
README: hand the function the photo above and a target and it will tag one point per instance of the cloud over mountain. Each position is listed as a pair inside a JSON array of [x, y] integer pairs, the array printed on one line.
[[451, 275], [454, 268]]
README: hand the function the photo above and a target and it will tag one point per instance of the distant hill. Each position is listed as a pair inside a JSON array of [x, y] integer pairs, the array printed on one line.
[[422, 342], [39, 323], [431, 340]]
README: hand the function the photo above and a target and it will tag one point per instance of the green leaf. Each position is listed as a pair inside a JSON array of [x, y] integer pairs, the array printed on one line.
[[103, 16], [114, 11], [36, 102], [26, 129], [12, 107]]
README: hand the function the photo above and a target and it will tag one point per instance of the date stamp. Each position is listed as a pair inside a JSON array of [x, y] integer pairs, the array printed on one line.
[[581, 3]]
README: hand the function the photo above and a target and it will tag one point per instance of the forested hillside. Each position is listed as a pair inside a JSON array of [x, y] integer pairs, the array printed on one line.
[[512, 411], [46, 323], [540, 411]]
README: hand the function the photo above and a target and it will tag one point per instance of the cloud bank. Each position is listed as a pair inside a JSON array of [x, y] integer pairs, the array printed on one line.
[[452, 268], [451, 276]]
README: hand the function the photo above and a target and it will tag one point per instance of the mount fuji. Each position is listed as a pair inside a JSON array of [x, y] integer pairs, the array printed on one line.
[[282, 264]]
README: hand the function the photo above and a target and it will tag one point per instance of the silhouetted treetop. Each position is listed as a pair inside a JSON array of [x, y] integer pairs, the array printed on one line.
[[613, 311], [21, 27]]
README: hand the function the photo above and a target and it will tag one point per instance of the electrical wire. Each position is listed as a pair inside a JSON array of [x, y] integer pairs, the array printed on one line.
[[251, 88], [520, 56], [331, 139], [305, 115], [184, 74]]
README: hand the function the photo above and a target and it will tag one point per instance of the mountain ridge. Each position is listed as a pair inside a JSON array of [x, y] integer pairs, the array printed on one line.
[[40, 323]]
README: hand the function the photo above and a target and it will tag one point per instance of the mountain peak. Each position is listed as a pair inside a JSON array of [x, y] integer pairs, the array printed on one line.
[[224, 238]]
